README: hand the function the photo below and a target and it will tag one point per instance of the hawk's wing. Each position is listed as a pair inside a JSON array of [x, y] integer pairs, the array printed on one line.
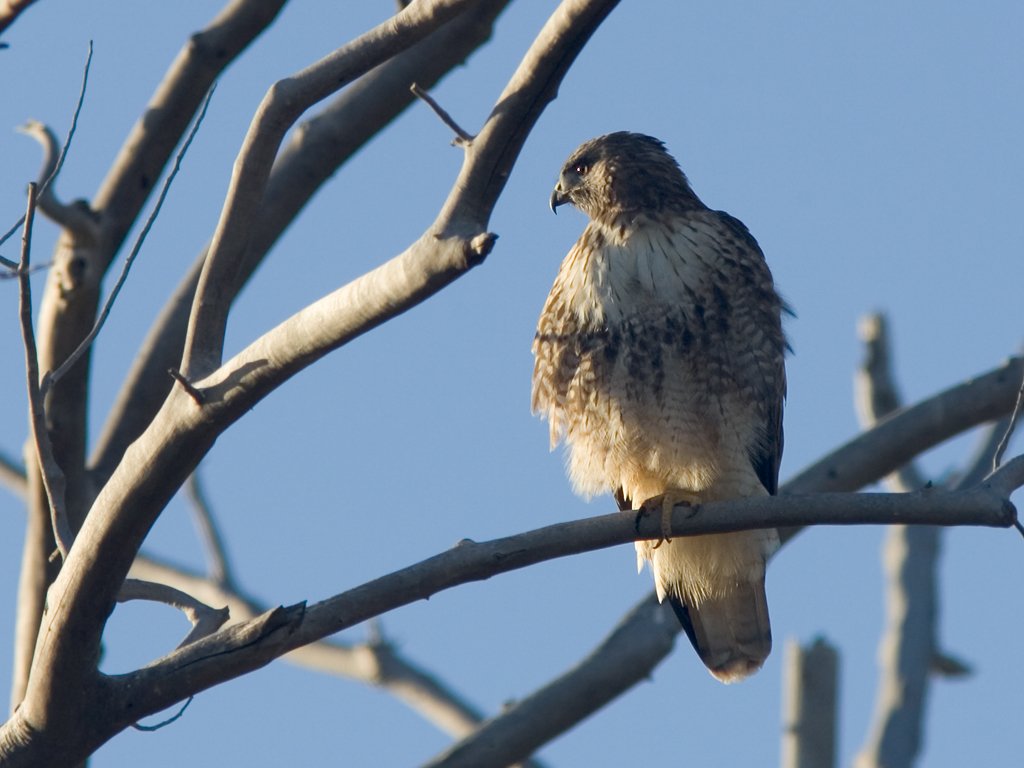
[[766, 457]]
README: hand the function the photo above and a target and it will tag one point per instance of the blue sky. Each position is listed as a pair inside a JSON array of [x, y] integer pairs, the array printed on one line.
[[873, 150]]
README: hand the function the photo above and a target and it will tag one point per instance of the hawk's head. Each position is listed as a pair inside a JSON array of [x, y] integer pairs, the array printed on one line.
[[623, 173]]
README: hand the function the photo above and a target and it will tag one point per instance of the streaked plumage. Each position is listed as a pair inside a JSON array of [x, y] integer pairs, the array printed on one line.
[[659, 361]]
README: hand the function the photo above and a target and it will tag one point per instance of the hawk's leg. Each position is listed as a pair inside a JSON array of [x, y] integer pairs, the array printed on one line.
[[666, 502]]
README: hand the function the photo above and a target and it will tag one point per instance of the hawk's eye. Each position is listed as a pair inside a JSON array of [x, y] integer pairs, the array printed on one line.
[[581, 169]]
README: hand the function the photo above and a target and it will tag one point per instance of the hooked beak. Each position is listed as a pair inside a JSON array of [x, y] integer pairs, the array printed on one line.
[[558, 197]]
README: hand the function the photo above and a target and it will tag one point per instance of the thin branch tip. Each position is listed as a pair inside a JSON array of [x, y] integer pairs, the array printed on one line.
[[462, 137]]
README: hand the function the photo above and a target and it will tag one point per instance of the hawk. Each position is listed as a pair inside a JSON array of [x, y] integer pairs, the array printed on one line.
[[659, 360]]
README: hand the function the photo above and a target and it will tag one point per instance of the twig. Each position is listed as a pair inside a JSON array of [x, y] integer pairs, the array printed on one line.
[[204, 619], [462, 137], [213, 543], [53, 377], [77, 217], [1001, 448], [980, 463], [52, 476], [168, 721], [63, 153], [197, 396]]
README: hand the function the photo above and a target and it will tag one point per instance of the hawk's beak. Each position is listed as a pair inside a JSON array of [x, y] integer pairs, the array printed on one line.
[[558, 197]]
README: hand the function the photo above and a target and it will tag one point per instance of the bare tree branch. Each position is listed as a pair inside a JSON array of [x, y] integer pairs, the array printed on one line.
[[316, 150], [194, 668], [281, 107], [204, 619], [75, 216], [810, 704], [462, 138], [53, 161], [159, 461], [861, 449], [53, 477], [910, 557], [900, 437], [52, 377], [151, 142], [375, 663], [209, 534], [875, 394], [644, 637]]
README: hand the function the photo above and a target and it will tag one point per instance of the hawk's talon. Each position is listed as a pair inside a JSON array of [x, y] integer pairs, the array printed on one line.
[[640, 515]]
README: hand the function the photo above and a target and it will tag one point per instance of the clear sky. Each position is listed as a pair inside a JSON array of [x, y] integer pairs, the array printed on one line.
[[873, 149]]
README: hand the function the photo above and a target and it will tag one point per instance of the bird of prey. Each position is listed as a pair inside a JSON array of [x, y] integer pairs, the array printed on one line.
[[659, 360]]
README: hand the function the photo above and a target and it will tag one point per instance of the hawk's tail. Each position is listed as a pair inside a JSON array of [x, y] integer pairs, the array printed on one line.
[[731, 633]]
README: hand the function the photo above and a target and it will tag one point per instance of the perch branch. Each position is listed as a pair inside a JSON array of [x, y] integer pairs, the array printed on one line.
[[218, 658]]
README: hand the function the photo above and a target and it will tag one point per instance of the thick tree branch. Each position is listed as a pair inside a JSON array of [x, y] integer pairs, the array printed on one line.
[[810, 705], [159, 461], [644, 637], [281, 107], [910, 557], [151, 142], [900, 437], [316, 150]]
